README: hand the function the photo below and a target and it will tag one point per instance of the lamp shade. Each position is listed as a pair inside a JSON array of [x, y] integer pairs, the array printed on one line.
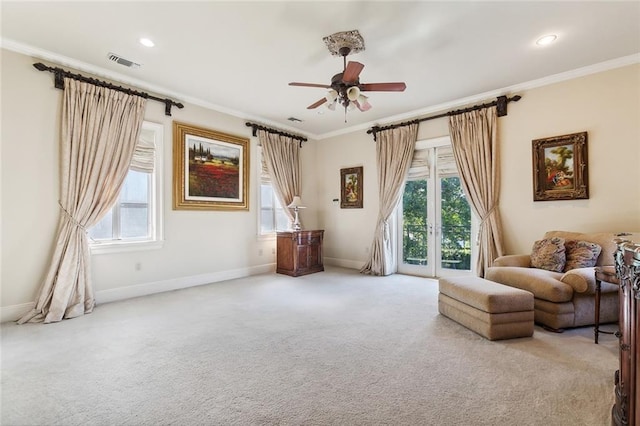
[[331, 96], [353, 93], [363, 104], [297, 202]]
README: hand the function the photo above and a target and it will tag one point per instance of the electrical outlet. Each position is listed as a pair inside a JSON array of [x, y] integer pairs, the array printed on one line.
[[273, 250], [259, 252], [138, 266]]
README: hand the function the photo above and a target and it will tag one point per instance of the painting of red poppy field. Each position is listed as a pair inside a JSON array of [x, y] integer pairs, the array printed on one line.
[[211, 169], [214, 170]]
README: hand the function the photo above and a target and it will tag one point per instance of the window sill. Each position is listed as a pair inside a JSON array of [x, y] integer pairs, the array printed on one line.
[[266, 237], [120, 247]]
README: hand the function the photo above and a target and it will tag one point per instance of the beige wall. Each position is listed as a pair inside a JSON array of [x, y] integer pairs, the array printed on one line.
[[207, 246], [199, 247], [606, 105]]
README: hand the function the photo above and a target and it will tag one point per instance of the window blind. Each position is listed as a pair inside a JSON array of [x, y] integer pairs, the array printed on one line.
[[422, 162], [144, 154]]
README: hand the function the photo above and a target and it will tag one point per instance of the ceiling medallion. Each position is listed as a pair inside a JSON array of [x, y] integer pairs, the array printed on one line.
[[349, 39]]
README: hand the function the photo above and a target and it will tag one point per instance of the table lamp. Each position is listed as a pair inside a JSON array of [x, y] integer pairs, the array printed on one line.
[[296, 204]]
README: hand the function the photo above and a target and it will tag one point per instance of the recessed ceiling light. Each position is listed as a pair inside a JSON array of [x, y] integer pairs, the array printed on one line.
[[147, 42], [548, 39]]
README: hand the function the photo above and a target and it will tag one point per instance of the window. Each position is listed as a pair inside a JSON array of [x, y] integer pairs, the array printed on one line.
[[272, 217], [134, 222]]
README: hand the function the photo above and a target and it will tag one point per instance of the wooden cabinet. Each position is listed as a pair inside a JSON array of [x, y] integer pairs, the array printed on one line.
[[299, 252], [626, 411]]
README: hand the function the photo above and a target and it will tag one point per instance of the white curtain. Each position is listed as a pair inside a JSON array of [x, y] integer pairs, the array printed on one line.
[[100, 129], [281, 156], [474, 142], [394, 152]]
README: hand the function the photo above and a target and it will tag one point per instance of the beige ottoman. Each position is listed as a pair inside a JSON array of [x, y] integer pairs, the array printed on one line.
[[492, 310]]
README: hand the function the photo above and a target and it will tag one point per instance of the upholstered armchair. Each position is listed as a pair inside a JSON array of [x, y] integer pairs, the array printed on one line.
[[560, 272]]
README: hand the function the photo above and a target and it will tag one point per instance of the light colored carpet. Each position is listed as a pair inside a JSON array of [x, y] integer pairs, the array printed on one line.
[[332, 348]]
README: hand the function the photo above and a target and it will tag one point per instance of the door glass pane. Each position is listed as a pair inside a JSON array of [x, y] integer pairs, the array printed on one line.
[[415, 223], [134, 222], [456, 226]]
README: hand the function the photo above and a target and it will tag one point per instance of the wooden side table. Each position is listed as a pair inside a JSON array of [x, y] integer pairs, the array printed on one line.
[[299, 252], [607, 274]]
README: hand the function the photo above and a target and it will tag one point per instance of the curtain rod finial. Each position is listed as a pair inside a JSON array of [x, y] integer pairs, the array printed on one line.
[[40, 66]]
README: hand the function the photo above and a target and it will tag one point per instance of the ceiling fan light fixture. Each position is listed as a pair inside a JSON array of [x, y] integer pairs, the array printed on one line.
[[363, 104], [353, 93], [345, 88], [331, 96]]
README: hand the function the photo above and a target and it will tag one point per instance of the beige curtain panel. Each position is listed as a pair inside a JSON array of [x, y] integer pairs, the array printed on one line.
[[394, 152], [474, 142], [100, 128], [282, 159]]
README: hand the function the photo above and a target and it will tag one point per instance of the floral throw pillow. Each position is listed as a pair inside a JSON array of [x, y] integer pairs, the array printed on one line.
[[581, 254], [549, 254]]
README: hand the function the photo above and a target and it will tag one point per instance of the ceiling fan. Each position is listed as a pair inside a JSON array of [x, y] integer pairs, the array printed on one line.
[[345, 88]]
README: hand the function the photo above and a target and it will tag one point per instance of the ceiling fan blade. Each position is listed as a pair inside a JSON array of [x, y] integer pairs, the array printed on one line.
[[325, 86], [383, 87], [317, 103], [351, 73]]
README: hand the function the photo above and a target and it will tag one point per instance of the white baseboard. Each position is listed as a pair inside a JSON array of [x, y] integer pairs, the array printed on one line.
[[121, 293], [13, 312], [344, 263]]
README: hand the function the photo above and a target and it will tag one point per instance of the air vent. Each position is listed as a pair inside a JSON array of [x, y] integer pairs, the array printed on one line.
[[120, 60]]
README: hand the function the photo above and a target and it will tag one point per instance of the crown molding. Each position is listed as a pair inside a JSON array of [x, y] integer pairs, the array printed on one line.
[[77, 65], [423, 112], [482, 97]]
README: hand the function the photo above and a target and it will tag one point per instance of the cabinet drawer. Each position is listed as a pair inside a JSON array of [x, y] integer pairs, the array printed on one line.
[[308, 240]]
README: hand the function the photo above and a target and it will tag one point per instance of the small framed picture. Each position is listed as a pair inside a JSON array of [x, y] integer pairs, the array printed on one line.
[[351, 188], [560, 170]]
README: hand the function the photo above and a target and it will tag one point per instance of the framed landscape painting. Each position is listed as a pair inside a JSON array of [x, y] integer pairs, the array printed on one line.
[[560, 170], [351, 188], [210, 169]]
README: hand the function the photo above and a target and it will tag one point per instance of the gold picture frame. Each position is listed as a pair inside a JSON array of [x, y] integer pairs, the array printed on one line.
[[351, 188], [210, 169], [560, 168]]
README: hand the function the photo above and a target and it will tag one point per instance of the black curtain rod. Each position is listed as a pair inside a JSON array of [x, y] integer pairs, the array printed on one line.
[[257, 127], [500, 102], [59, 84]]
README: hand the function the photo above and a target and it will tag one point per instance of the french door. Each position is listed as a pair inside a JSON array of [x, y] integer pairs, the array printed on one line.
[[435, 219]]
